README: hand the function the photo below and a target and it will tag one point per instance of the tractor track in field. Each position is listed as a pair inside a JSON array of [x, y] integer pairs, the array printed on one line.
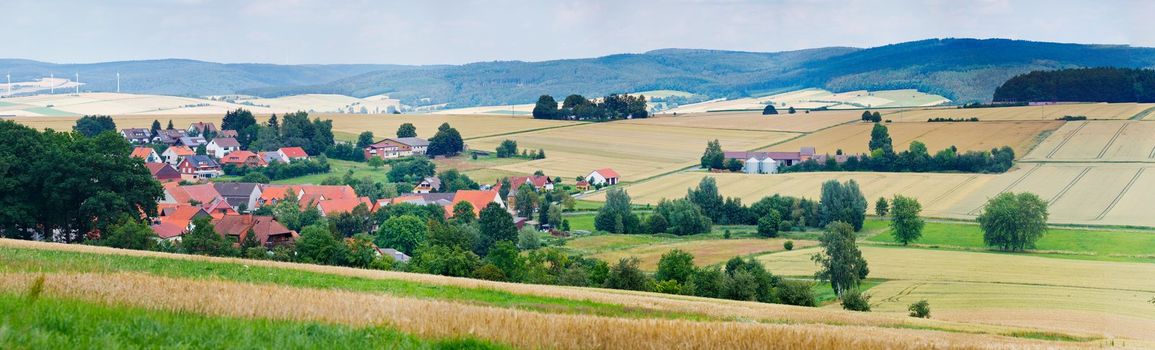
[[1065, 140], [1121, 194]]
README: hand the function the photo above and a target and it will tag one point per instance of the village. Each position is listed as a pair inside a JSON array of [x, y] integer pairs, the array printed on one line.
[[191, 165]]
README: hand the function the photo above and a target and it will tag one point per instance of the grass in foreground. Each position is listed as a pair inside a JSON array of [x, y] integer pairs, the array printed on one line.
[[29, 260], [1105, 245], [56, 323]]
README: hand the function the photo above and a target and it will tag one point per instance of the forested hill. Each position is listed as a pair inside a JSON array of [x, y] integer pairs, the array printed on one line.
[[1080, 85], [961, 69]]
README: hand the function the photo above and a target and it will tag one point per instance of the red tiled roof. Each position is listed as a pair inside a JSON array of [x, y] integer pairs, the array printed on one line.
[[226, 142], [607, 173], [241, 157], [204, 194], [142, 152], [343, 205], [271, 193], [162, 171], [479, 199], [239, 225], [166, 230], [181, 150], [294, 152]]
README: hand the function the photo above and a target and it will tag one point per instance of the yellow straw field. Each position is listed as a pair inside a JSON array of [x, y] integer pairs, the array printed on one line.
[[855, 138], [1090, 110], [706, 252], [800, 122], [634, 151]]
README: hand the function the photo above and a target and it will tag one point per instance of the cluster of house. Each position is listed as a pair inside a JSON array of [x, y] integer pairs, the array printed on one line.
[[770, 162], [230, 206], [181, 162]]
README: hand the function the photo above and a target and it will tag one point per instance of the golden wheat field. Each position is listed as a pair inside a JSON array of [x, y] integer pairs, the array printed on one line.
[[1090, 110], [1030, 286], [800, 122], [706, 252], [855, 138], [634, 151], [1099, 141], [936, 192], [784, 325]]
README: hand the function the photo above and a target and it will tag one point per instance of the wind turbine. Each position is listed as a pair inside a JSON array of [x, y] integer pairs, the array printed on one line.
[[9, 84], [78, 83], [118, 82]]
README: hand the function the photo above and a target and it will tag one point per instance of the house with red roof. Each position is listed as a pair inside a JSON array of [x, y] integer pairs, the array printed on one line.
[[200, 128], [243, 159], [199, 167], [289, 154], [174, 154], [539, 182], [228, 133], [329, 207], [478, 198], [175, 221], [148, 154], [163, 172], [137, 135], [604, 176], [271, 194], [268, 231]]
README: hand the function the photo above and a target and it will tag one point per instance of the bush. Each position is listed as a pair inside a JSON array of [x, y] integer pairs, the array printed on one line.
[[789, 245], [854, 300], [920, 309], [768, 225], [627, 275], [800, 293]]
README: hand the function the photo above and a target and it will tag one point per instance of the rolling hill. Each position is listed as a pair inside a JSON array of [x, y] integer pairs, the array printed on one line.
[[961, 70]]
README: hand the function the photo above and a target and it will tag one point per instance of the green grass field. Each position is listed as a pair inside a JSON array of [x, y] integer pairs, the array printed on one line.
[[54, 323], [27, 260], [338, 168], [1090, 244]]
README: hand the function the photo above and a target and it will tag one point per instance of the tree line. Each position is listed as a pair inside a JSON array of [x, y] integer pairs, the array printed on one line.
[[1104, 84], [915, 159], [577, 107]]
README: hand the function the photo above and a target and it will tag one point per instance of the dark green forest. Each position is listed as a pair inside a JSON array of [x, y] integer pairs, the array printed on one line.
[[1080, 85]]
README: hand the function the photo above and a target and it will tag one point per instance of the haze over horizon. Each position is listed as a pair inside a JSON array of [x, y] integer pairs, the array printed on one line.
[[452, 32]]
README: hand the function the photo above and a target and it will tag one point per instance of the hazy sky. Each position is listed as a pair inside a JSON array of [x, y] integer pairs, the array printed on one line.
[[432, 32]]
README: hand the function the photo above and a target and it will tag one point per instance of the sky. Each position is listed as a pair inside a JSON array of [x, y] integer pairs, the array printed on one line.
[[456, 32]]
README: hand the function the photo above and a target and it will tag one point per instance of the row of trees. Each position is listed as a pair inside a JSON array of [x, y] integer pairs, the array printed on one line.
[[915, 159], [279, 170], [68, 187], [577, 107]]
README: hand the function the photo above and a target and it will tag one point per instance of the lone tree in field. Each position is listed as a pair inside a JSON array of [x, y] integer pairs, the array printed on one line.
[[1013, 222], [769, 110], [881, 207], [791, 110], [905, 224], [713, 157], [840, 262], [880, 139], [842, 202], [407, 130]]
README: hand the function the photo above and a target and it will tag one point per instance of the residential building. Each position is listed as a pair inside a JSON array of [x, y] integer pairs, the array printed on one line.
[[393, 253], [329, 207], [479, 199], [604, 176], [148, 154], [273, 156], [174, 154], [198, 167], [539, 182], [427, 185], [268, 231], [289, 154], [170, 137], [163, 172], [228, 133], [417, 146], [176, 220], [221, 146], [240, 195], [136, 135], [243, 159], [200, 128], [192, 141]]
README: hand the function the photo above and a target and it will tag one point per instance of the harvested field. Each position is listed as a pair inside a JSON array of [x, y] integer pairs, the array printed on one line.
[[936, 192], [1115, 111], [706, 252], [801, 122], [1132, 141], [854, 138], [1078, 193], [1026, 289], [634, 151], [122, 121], [819, 98]]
